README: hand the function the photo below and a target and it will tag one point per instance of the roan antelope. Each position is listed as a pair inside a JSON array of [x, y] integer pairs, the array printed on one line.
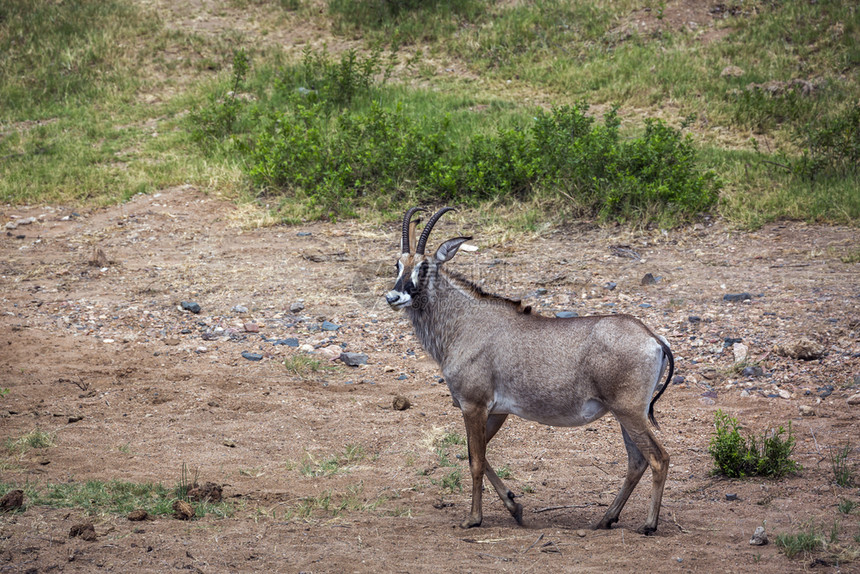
[[499, 359]]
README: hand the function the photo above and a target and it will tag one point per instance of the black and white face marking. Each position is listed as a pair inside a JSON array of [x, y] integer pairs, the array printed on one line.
[[411, 270]]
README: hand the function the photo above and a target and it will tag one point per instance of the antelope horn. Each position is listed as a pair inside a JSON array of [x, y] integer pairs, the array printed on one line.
[[425, 234], [404, 241]]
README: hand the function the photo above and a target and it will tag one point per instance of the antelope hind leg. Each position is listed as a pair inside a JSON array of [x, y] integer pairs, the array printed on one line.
[[636, 465]]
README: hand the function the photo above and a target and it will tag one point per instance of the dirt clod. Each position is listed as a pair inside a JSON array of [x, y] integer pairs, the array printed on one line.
[[209, 492], [83, 530], [182, 510], [401, 403], [12, 500], [803, 349], [138, 515]]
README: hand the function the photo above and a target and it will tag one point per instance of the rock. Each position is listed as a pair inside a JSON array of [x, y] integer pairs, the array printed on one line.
[[16, 222], [753, 371], [332, 352], [610, 286], [353, 359], [304, 233], [251, 328], [784, 394], [740, 352], [648, 279], [329, 326], [825, 391], [707, 401], [190, 306], [678, 379], [75, 418], [806, 411], [306, 348], [566, 314], [401, 403], [731, 496], [182, 510], [694, 319], [388, 369], [138, 515], [252, 356], [581, 533], [84, 530], [736, 297], [229, 443], [745, 393], [209, 492], [12, 500], [759, 537], [297, 306], [645, 305], [402, 378], [731, 72], [289, 342], [239, 309], [803, 348], [854, 400]]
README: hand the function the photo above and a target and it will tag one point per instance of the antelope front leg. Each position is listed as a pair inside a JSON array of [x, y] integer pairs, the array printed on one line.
[[476, 422]]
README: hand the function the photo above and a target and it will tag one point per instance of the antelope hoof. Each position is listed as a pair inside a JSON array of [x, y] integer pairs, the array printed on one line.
[[517, 513], [605, 524], [471, 522], [647, 530]]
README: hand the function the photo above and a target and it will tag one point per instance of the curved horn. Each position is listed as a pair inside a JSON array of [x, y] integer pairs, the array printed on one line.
[[404, 241], [422, 241]]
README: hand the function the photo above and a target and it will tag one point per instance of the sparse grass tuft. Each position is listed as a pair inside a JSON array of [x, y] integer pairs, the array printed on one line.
[[737, 457], [36, 438], [334, 464], [843, 471], [804, 542], [846, 506], [302, 365]]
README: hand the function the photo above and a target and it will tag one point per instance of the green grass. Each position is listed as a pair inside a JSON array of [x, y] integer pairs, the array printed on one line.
[[800, 543], [104, 100], [303, 366], [843, 470], [112, 497]]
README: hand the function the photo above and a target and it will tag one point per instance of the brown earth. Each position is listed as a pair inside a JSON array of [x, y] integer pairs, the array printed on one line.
[[151, 387]]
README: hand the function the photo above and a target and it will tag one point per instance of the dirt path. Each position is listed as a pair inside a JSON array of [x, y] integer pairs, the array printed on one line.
[[157, 387]]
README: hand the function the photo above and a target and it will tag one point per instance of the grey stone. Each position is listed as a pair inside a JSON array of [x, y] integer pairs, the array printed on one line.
[[736, 297], [566, 314], [252, 356], [190, 306], [353, 359], [239, 309], [289, 342], [648, 279], [297, 306], [329, 326], [759, 537]]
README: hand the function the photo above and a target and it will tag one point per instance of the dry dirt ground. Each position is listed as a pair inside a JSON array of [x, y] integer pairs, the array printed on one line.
[[152, 387]]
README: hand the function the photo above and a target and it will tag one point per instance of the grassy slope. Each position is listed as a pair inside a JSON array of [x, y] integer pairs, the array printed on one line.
[[95, 94]]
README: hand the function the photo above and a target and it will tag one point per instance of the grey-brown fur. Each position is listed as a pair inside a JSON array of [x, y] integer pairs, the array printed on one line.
[[498, 359]]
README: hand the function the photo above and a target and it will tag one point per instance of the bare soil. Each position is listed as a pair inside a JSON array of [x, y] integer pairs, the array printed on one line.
[[152, 387]]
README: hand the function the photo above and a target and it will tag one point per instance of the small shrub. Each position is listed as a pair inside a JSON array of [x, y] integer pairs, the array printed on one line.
[[451, 481], [831, 144], [738, 457], [219, 119]]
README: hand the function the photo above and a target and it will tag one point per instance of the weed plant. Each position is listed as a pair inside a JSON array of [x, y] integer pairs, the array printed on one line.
[[739, 457], [843, 472]]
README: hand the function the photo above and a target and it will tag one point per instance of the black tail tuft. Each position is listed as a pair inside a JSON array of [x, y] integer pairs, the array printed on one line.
[[668, 352]]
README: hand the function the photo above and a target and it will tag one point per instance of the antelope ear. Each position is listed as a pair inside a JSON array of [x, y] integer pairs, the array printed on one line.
[[448, 249]]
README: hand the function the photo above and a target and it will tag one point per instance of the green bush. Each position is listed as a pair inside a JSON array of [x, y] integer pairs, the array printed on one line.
[[738, 457], [831, 145]]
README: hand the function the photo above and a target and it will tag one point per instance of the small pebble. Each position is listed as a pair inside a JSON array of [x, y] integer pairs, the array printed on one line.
[[252, 356], [289, 342], [648, 279], [735, 297], [566, 314], [240, 309], [297, 306], [731, 496], [806, 411], [329, 326], [190, 306], [400, 403], [610, 286]]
